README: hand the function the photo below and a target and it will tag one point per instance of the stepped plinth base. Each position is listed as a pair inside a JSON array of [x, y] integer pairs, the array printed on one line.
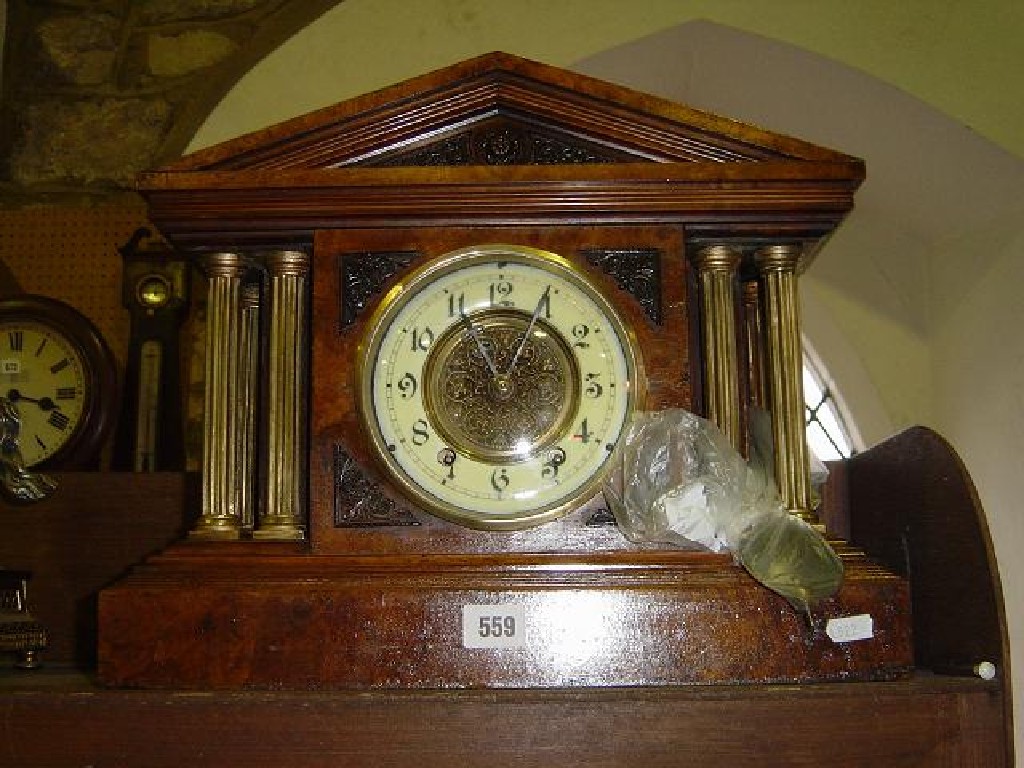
[[256, 615]]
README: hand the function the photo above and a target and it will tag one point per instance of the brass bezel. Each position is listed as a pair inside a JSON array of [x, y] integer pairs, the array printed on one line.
[[399, 296]]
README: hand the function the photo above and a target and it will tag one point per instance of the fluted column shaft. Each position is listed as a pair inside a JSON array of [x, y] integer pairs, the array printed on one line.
[[284, 510], [757, 388], [777, 267], [248, 406], [221, 515], [716, 269]]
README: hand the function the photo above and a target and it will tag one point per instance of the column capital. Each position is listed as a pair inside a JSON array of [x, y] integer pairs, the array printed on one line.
[[224, 264], [779, 257], [718, 258], [287, 262]]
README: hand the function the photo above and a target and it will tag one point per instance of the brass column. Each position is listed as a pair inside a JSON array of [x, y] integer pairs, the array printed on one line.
[[221, 515], [248, 412], [285, 497], [777, 266], [716, 268], [754, 336]]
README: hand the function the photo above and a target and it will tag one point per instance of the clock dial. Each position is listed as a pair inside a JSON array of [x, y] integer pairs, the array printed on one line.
[[59, 374], [44, 376], [495, 384]]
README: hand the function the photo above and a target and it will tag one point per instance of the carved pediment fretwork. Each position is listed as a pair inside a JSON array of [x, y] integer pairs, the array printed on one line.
[[503, 141]]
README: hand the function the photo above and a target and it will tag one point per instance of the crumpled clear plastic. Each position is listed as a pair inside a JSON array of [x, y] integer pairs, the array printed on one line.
[[681, 482]]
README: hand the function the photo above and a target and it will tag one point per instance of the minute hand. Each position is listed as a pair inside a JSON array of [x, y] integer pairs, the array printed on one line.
[[533, 319]]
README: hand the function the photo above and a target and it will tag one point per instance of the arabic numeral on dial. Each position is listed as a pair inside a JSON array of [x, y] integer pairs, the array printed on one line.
[[407, 386], [584, 435], [500, 479], [420, 433], [499, 293], [580, 332], [594, 388], [456, 305], [555, 459], [422, 339]]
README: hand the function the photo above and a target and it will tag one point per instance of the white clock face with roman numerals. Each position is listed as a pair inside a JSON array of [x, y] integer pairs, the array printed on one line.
[[44, 377], [495, 383]]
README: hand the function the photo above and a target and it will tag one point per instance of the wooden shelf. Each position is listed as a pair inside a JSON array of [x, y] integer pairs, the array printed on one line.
[[908, 502], [928, 720]]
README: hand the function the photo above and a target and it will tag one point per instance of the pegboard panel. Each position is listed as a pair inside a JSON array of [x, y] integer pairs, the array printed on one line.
[[70, 253]]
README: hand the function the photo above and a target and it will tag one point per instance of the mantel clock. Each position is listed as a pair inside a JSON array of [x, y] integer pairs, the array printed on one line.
[[467, 285]]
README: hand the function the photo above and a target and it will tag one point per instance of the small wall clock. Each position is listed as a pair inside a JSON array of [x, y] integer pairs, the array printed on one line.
[[59, 373]]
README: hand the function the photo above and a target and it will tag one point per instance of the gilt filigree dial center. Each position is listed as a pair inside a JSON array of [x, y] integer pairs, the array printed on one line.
[[501, 393]]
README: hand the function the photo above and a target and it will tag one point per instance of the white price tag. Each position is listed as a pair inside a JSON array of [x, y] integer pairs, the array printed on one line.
[[847, 629], [494, 626]]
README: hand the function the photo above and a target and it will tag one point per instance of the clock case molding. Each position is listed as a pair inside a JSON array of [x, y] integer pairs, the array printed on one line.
[[494, 149]]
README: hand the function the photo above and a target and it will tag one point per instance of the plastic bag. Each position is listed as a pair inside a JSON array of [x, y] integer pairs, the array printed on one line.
[[681, 482]]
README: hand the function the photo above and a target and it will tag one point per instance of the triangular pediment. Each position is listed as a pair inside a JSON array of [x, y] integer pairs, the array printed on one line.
[[499, 109]]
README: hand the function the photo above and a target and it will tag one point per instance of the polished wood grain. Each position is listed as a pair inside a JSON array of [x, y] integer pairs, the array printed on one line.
[[926, 721], [265, 620], [647, 126], [669, 378], [263, 209], [278, 186]]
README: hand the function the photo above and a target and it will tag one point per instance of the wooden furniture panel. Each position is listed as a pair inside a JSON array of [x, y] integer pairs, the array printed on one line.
[[925, 722], [928, 720], [94, 527]]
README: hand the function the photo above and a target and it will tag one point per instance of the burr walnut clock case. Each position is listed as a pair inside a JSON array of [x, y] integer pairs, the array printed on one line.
[[468, 282]]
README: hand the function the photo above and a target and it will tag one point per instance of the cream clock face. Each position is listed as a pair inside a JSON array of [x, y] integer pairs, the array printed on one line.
[[494, 385], [44, 376]]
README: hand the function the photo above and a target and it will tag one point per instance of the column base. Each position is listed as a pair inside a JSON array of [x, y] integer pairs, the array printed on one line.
[[279, 532], [215, 530]]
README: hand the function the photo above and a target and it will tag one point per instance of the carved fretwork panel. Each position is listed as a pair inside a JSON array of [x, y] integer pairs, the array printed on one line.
[[358, 501], [364, 275], [637, 271], [501, 141]]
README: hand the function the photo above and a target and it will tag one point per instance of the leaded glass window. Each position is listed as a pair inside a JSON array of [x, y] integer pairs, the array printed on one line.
[[826, 434]]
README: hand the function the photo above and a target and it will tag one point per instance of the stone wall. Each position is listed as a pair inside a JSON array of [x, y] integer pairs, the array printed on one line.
[[96, 90]]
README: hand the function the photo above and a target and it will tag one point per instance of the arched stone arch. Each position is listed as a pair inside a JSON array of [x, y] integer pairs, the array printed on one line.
[[93, 95]]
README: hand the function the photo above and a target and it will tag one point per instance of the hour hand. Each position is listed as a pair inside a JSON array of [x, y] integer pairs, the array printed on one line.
[[44, 403], [479, 343]]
